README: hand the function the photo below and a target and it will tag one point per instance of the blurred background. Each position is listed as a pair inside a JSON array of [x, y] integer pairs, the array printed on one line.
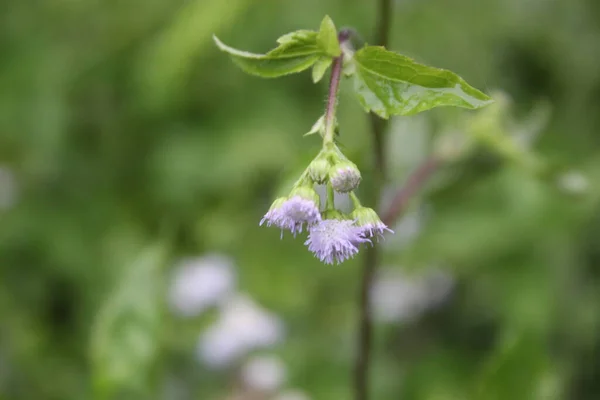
[[136, 161]]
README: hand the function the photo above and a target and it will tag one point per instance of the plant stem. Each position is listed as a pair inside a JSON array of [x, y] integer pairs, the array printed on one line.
[[355, 201], [336, 72], [372, 256], [330, 197], [414, 182], [334, 84]]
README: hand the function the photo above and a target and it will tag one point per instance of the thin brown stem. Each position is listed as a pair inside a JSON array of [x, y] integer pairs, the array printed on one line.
[[332, 95], [413, 184], [334, 84], [372, 257]]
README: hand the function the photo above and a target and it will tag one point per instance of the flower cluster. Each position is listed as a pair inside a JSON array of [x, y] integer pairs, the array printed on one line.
[[332, 235]]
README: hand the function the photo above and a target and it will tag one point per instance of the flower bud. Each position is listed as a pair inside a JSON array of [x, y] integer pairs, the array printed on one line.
[[369, 222], [344, 176], [319, 169]]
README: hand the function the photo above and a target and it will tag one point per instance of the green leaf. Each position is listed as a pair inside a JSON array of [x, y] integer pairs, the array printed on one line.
[[320, 67], [388, 83], [517, 369], [125, 334], [328, 38], [318, 127], [297, 51]]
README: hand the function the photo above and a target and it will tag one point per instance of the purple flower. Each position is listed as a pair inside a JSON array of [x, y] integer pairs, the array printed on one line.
[[374, 229], [292, 214], [297, 211], [369, 223], [334, 240], [275, 215]]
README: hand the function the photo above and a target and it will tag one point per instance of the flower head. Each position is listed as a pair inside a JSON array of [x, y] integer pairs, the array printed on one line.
[[275, 215], [369, 222], [344, 176], [334, 240], [302, 207]]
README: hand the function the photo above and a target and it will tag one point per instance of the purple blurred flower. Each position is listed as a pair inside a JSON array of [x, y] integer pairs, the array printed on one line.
[[334, 240]]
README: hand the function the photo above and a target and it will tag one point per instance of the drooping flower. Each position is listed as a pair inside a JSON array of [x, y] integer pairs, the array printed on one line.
[[302, 207], [334, 240], [275, 215], [369, 222], [344, 176]]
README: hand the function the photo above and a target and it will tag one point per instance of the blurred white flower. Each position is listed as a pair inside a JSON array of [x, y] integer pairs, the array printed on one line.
[[452, 145], [292, 395], [8, 188], [201, 282], [396, 297], [242, 326], [264, 373], [573, 182], [219, 346]]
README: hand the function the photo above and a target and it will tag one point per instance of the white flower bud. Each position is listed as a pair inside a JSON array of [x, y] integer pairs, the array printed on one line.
[[344, 176]]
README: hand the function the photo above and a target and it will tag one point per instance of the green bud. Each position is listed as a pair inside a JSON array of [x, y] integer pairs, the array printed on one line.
[[319, 169], [365, 215], [277, 203], [344, 176]]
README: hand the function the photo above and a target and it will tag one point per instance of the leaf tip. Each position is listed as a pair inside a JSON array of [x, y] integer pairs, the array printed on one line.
[[328, 37], [218, 42]]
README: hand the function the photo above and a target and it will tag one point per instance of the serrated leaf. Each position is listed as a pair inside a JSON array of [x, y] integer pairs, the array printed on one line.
[[303, 34], [388, 83], [297, 51], [125, 338], [320, 67], [328, 38]]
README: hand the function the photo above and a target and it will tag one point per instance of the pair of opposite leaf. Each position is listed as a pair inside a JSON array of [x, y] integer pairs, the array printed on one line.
[[385, 82]]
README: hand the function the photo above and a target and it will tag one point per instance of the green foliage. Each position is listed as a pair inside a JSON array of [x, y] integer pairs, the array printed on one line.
[[126, 334], [328, 38], [296, 52], [96, 172], [392, 84], [320, 67], [385, 82]]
